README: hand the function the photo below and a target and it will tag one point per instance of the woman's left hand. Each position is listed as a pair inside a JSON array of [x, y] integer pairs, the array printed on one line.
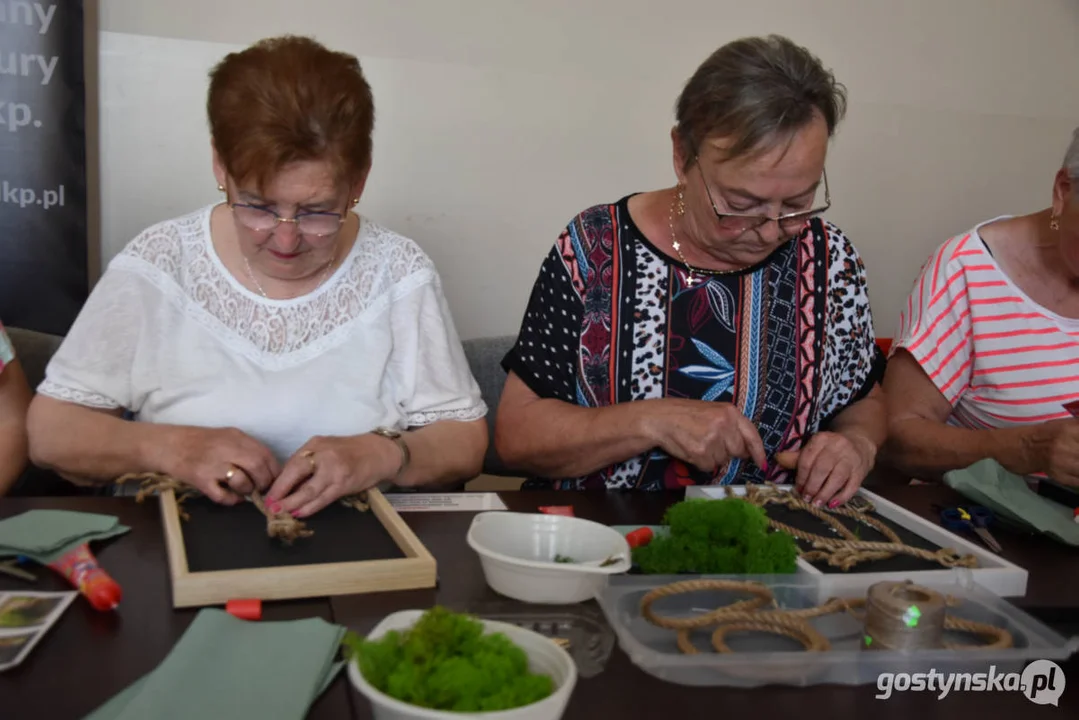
[[832, 466], [328, 468]]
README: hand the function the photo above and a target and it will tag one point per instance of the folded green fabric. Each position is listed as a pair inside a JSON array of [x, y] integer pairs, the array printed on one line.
[[45, 535], [987, 483], [224, 667]]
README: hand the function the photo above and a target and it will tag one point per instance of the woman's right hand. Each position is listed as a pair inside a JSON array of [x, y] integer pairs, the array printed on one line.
[[1055, 450], [203, 457], [704, 434]]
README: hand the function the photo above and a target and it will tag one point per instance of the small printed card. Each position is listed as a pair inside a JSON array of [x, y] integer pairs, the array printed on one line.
[[448, 502], [25, 617]]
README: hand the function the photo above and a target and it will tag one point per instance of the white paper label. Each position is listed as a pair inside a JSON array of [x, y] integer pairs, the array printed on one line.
[[448, 502]]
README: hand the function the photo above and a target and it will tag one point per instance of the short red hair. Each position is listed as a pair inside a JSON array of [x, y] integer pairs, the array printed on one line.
[[290, 99]]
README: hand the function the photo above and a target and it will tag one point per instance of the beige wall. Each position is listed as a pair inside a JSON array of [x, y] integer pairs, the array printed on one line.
[[499, 119]]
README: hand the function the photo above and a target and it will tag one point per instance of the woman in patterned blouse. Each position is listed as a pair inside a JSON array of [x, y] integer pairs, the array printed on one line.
[[14, 400], [689, 335]]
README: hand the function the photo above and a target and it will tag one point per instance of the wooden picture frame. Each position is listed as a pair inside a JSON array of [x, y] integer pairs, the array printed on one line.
[[416, 570]]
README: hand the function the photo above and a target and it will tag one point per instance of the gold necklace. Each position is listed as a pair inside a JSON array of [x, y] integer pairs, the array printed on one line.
[[325, 274], [693, 278]]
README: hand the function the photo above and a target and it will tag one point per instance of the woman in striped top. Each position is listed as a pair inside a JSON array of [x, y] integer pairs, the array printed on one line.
[[986, 358]]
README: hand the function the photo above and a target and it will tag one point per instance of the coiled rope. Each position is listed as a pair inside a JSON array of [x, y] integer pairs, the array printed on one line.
[[886, 617], [848, 551]]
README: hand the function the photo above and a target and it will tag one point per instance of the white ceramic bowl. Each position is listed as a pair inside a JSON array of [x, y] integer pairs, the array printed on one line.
[[544, 656], [518, 551]]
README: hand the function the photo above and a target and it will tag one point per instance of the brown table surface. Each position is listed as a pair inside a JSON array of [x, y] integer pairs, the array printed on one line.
[[89, 656]]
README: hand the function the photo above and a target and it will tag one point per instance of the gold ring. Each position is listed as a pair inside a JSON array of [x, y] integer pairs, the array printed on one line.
[[229, 475], [310, 455]]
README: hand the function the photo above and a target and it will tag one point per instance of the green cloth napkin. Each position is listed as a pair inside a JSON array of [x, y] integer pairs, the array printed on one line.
[[987, 483], [46, 535], [224, 667]]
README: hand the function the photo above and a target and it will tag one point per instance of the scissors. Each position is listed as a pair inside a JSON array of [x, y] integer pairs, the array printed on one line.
[[971, 518], [11, 567]]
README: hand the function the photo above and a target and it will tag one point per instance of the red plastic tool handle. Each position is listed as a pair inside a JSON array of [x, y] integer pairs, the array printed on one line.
[[639, 537], [245, 609], [566, 510]]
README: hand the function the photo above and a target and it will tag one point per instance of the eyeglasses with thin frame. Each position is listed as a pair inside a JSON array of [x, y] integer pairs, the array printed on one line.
[[262, 219], [790, 223]]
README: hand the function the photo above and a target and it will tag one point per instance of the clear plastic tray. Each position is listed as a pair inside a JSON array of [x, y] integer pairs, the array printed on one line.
[[582, 632], [759, 659]]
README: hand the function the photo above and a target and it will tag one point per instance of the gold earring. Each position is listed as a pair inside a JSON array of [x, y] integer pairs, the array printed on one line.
[[681, 203], [355, 201], [1053, 224], [220, 187]]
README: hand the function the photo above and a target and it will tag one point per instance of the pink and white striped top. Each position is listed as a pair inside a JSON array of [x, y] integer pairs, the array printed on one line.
[[1000, 358]]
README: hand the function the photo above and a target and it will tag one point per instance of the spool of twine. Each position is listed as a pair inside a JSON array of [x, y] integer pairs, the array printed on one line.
[[903, 616]]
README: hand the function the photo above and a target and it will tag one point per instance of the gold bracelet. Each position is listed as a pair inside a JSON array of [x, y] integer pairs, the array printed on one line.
[[396, 436]]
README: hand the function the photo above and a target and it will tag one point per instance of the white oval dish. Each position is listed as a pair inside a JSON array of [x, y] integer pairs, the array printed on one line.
[[518, 551], [544, 656]]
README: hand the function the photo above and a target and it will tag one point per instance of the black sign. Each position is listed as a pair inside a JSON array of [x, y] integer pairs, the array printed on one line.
[[43, 242]]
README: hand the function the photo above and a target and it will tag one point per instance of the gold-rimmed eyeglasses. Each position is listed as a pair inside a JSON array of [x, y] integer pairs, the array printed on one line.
[[263, 219], [789, 223]]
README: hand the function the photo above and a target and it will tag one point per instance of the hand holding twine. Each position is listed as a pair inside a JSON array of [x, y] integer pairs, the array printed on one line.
[[278, 525]]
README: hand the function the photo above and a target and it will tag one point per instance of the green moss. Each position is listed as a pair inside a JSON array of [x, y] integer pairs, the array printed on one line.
[[728, 536], [446, 662]]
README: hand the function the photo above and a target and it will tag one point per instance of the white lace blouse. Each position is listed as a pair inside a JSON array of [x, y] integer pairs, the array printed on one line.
[[169, 334]]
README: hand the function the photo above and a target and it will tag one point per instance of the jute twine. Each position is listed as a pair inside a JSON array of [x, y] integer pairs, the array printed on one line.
[[847, 551], [278, 525], [885, 607], [902, 616]]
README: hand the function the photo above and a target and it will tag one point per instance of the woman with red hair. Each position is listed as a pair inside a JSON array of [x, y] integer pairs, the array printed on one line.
[[278, 339]]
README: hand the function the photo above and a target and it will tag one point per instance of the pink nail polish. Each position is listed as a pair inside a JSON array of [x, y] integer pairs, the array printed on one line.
[[832, 505], [295, 513]]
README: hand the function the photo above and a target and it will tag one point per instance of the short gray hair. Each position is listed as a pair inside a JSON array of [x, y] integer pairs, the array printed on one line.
[[1071, 157], [758, 91]]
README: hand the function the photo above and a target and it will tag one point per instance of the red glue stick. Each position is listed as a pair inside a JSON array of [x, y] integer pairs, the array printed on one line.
[[79, 567]]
